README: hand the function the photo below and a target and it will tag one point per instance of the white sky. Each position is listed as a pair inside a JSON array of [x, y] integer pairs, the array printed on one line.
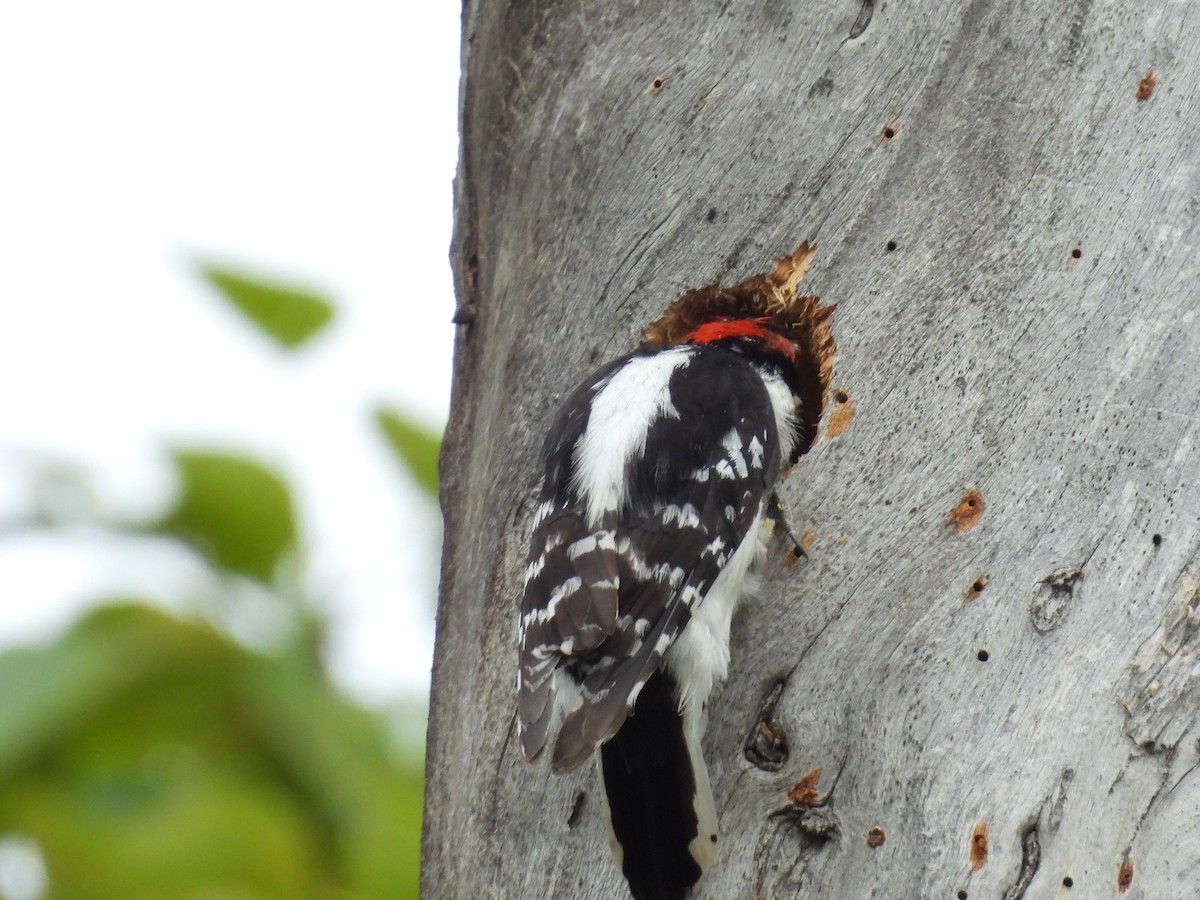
[[314, 142]]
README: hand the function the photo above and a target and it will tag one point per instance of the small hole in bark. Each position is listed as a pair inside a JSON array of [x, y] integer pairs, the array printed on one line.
[[875, 837], [842, 415], [1068, 882], [977, 586], [888, 132], [1077, 253], [967, 511], [711, 215], [1157, 539], [982, 656], [713, 838], [891, 245], [962, 895], [576, 809], [657, 85]]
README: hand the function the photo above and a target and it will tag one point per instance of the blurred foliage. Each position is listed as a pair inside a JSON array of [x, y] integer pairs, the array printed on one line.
[[234, 511], [152, 757], [416, 448], [157, 758], [290, 315]]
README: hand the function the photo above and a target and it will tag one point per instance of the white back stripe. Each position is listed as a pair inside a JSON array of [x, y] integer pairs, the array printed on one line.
[[622, 412]]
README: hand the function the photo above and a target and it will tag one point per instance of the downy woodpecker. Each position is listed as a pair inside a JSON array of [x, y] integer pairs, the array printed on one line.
[[657, 474]]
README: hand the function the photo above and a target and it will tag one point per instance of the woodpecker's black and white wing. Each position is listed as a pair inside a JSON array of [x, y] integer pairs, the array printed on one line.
[[649, 519]]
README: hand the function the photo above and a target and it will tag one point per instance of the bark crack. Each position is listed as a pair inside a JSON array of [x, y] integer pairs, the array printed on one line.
[[1031, 858], [863, 20], [1167, 758], [1161, 695], [1056, 811], [766, 745], [1055, 594], [789, 848], [640, 246]]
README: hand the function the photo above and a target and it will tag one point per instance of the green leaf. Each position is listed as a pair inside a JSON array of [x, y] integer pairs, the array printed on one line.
[[416, 447], [291, 315], [151, 757], [235, 511], [43, 690]]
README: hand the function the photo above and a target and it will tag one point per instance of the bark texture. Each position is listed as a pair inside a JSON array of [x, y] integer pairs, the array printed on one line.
[[1003, 707]]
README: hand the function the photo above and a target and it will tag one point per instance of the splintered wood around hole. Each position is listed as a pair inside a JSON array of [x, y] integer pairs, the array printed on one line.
[[801, 320], [842, 415], [804, 792], [967, 511], [800, 551], [979, 846], [977, 586], [1146, 86], [766, 745], [1125, 876]]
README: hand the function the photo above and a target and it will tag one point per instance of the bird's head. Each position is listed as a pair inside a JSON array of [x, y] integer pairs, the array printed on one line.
[[764, 314]]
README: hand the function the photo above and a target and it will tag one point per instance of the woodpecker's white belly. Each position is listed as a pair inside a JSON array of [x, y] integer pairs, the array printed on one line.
[[699, 658]]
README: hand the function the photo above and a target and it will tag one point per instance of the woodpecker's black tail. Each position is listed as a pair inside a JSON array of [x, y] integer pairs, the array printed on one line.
[[660, 806]]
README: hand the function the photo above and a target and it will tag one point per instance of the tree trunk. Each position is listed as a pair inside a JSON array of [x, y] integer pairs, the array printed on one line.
[[1002, 703]]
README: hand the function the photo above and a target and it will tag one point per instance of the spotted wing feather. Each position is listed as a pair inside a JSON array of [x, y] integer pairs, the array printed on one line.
[[570, 608], [632, 585]]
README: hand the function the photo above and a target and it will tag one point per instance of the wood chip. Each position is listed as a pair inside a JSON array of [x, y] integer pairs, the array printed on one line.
[[967, 511], [979, 846], [1146, 86], [842, 415], [804, 792], [1125, 876]]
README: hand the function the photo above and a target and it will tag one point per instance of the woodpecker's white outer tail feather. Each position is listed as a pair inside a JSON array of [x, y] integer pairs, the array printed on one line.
[[658, 800], [703, 847]]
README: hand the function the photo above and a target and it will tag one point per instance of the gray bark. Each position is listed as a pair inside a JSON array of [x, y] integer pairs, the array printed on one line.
[[979, 354]]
